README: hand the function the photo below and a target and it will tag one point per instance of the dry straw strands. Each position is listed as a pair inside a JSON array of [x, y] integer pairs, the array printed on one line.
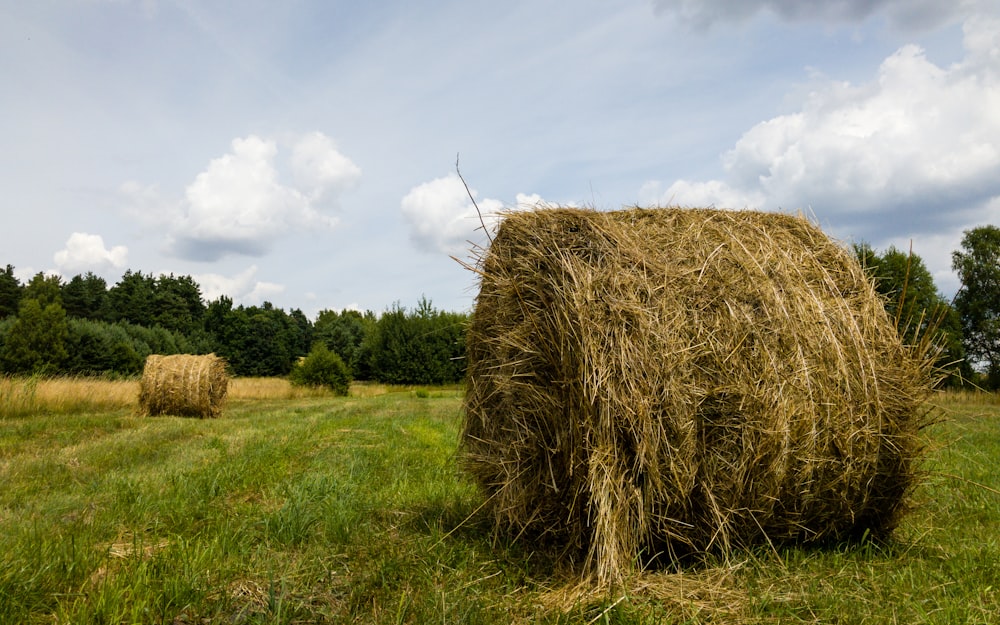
[[183, 385], [676, 381]]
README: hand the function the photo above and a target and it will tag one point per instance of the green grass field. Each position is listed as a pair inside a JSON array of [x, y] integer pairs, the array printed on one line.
[[305, 508]]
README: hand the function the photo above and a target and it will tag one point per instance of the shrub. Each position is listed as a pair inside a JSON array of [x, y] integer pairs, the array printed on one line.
[[322, 367], [97, 347]]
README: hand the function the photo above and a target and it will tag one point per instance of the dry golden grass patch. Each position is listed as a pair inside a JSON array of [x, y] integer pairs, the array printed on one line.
[[266, 388], [281, 388], [127, 546], [27, 395], [968, 397], [99, 393], [21, 395], [369, 389], [710, 595]]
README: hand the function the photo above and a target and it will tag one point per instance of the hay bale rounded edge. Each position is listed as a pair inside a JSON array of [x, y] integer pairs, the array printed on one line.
[[183, 385], [680, 381]]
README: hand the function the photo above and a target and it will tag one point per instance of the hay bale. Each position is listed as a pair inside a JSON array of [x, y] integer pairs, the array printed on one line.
[[183, 385], [682, 381]]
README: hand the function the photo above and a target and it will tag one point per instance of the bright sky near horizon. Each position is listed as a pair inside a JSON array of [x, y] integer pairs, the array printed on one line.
[[304, 152]]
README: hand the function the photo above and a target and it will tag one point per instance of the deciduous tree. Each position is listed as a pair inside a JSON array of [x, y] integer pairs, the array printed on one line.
[[978, 299], [36, 341], [917, 308], [344, 333]]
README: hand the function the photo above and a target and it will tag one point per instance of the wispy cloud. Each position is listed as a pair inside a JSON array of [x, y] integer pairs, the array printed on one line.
[[903, 13]]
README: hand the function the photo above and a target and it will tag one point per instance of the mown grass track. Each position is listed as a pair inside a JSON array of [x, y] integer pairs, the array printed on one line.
[[315, 509]]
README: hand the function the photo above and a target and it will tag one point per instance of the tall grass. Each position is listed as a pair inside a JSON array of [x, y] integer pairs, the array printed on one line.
[[18, 396], [318, 509], [21, 396], [969, 398], [29, 395]]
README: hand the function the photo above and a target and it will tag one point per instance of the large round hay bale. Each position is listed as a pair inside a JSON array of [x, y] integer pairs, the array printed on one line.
[[677, 381], [183, 385]]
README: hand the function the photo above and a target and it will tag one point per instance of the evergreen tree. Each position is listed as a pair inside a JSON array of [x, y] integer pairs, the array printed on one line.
[[265, 348], [226, 326], [85, 297], [46, 289], [300, 333], [393, 351], [177, 303], [361, 360], [98, 347], [425, 346], [131, 299], [156, 339], [10, 292], [256, 340], [5, 325]]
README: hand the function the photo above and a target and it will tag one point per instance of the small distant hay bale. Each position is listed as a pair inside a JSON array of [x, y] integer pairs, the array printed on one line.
[[183, 385], [670, 382]]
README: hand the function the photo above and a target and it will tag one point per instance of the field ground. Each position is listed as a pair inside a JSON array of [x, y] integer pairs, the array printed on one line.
[[299, 507]]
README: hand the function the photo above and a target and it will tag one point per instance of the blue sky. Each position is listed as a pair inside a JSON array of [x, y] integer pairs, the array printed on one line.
[[304, 152]]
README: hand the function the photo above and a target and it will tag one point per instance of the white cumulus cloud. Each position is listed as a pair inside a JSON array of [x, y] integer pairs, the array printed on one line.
[[320, 168], [86, 252], [443, 218], [715, 193], [912, 151], [243, 288], [917, 138], [917, 132], [528, 201], [240, 204]]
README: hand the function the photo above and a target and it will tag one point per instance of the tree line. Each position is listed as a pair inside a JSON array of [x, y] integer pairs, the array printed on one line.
[[967, 329], [83, 326]]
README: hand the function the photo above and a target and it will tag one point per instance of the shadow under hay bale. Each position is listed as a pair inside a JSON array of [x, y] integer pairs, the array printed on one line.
[[183, 385], [681, 381]]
